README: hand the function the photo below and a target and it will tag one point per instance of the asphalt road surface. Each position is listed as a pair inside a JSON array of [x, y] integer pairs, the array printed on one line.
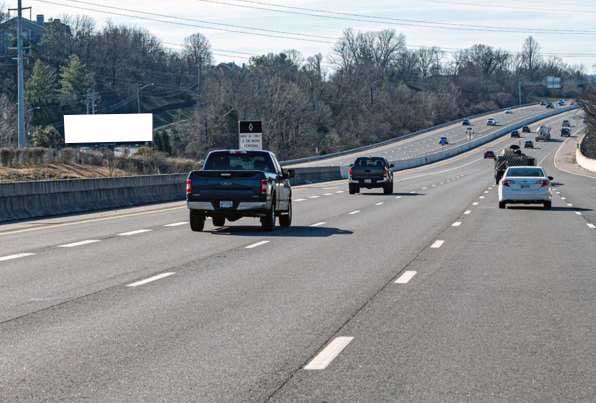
[[429, 294], [428, 143]]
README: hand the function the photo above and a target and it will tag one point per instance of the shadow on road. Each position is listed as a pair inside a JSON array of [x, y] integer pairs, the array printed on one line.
[[298, 231], [554, 208], [391, 194]]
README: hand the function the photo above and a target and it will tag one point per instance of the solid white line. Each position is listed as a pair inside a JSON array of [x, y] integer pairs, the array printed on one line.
[[437, 244], [314, 197], [468, 212], [354, 212], [139, 231], [592, 226], [17, 256], [379, 204], [319, 224], [151, 279], [176, 224], [405, 277], [80, 243], [456, 224], [300, 200], [475, 204], [254, 245], [328, 354]]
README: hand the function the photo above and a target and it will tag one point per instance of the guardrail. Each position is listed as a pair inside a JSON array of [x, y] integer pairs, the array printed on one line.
[[395, 139]]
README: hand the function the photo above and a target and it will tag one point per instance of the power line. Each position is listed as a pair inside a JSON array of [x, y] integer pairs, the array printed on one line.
[[510, 7], [337, 15]]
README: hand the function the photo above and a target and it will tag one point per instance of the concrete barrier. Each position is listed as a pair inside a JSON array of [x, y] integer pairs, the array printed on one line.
[[583, 161]]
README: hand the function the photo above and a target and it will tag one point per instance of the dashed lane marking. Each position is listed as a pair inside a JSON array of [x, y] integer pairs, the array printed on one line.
[[379, 204], [569, 204], [405, 277], [437, 244], [578, 212], [592, 226], [16, 256], [481, 197], [151, 279], [467, 212], [339, 191], [319, 224], [139, 231], [328, 354], [398, 197], [300, 200], [176, 224], [354, 212], [327, 194], [314, 197], [254, 245], [563, 198], [475, 204], [456, 224], [80, 243]]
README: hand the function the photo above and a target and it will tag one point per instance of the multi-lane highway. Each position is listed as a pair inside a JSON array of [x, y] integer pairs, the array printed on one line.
[[428, 143], [429, 294]]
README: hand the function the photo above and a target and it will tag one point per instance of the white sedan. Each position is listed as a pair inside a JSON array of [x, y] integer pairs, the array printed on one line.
[[525, 185]]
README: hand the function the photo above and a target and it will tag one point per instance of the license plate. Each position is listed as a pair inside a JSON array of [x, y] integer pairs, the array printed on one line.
[[368, 181], [226, 204]]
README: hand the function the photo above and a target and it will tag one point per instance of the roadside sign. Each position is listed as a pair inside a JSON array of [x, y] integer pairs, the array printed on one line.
[[250, 135], [553, 82]]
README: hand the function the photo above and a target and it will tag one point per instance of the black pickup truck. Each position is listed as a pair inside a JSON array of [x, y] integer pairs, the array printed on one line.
[[237, 183], [371, 172]]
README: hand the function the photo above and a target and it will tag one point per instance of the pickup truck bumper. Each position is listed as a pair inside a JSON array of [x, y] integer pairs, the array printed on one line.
[[239, 209], [374, 182]]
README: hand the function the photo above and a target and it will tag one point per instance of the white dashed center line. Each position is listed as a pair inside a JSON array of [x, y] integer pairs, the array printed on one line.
[[475, 204], [339, 191], [563, 198], [569, 204], [139, 231], [319, 224], [467, 212], [578, 213], [354, 212], [80, 243], [176, 224], [151, 279], [328, 194], [398, 197], [314, 197], [254, 245], [17, 256], [456, 224], [437, 244], [300, 200], [592, 226], [328, 354], [405, 277], [379, 204]]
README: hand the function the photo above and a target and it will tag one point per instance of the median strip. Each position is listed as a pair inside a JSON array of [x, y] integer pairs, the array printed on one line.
[[405, 277], [151, 279], [437, 244], [136, 232], [80, 243], [254, 245], [328, 354], [16, 256]]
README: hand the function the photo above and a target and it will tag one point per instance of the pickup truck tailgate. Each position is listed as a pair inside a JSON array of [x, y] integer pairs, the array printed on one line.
[[229, 185]]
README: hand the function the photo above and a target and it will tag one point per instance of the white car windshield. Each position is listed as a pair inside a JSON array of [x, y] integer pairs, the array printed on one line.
[[521, 172]]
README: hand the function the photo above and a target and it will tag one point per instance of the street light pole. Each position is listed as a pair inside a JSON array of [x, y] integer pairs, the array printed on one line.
[[22, 140]]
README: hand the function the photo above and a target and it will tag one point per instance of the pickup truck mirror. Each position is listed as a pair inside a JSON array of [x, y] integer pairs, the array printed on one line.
[[391, 166], [288, 173]]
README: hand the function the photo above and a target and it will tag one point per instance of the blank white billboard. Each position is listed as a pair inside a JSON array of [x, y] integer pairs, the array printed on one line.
[[121, 128]]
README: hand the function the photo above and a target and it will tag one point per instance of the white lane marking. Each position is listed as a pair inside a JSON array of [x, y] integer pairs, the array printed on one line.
[[300, 200], [327, 194], [339, 191], [569, 204], [434, 185], [481, 197], [319, 224], [379, 204], [592, 226], [314, 197], [563, 198], [413, 192], [176, 224], [558, 192], [17, 256], [398, 197], [475, 204], [254, 245], [467, 212], [578, 213], [151, 279], [456, 224], [354, 212], [405, 277], [437, 244], [139, 231], [424, 188], [486, 192], [80, 243], [328, 354]]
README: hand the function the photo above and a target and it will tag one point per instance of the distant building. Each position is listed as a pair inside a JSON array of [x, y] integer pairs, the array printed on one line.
[[32, 33]]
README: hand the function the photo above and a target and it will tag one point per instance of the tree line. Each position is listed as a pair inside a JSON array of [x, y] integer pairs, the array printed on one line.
[[376, 88]]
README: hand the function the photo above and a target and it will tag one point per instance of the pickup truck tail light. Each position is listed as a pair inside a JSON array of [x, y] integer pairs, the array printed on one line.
[[507, 182], [188, 187], [264, 186], [350, 172]]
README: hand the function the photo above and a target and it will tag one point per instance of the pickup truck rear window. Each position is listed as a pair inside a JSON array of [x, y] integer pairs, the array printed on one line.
[[370, 162], [246, 161]]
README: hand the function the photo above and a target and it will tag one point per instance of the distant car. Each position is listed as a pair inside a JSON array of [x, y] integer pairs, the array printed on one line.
[[561, 102], [529, 144], [489, 154], [369, 173], [565, 132], [491, 122], [443, 141], [550, 106], [466, 122], [525, 185], [566, 123], [515, 134], [542, 102], [526, 129], [508, 111]]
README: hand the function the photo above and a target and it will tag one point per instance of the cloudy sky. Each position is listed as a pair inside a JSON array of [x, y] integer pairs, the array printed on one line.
[[564, 28]]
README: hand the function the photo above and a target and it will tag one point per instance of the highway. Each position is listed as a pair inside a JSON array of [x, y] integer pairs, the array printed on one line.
[[428, 143], [429, 294]]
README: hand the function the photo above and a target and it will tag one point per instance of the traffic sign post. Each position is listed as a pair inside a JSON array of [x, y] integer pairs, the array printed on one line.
[[250, 135]]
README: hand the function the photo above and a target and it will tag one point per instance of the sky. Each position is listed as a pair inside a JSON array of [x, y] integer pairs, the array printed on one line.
[[564, 28]]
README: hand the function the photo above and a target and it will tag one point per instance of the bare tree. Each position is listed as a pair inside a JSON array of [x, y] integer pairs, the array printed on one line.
[[531, 58]]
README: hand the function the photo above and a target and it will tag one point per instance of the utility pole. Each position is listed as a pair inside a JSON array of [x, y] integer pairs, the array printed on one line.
[[139, 89], [20, 78], [519, 91]]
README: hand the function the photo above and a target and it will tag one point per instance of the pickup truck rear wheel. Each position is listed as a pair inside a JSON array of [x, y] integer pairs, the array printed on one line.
[[219, 221], [197, 221], [388, 188], [285, 220], [353, 188], [548, 205], [268, 222], [501, 204]]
